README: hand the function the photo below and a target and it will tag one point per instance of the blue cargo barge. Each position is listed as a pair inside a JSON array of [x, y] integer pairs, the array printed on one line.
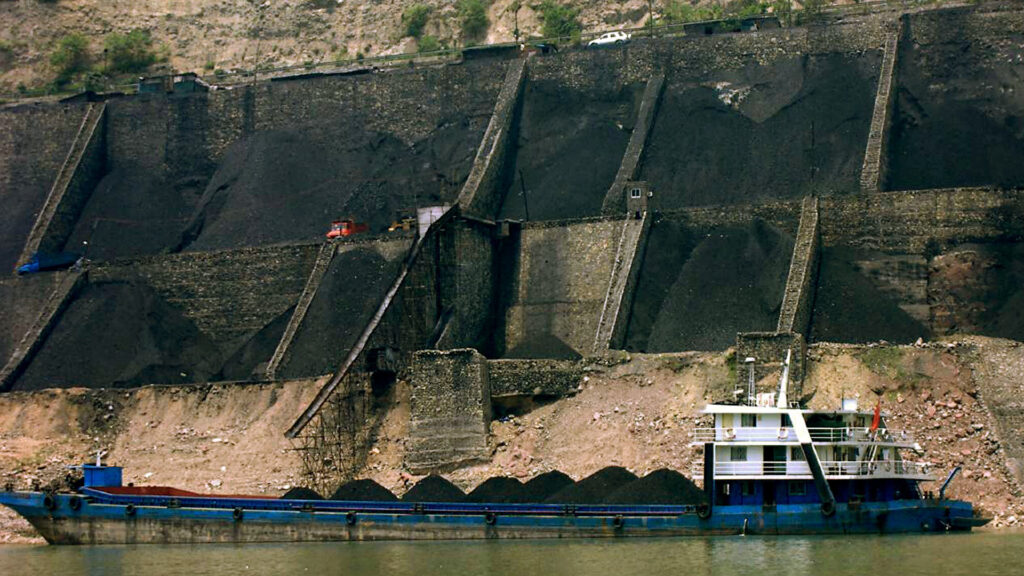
[[768, 468], [98, 516]]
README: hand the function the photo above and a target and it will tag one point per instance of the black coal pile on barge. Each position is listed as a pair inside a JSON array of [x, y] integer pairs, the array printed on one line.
[[662, 486], [499, 490], [545, 486], [594, 488], [364, 490], [434, 488], [301, 493]]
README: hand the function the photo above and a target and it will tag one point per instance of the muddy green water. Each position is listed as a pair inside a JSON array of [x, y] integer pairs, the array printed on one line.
[[937, 555]]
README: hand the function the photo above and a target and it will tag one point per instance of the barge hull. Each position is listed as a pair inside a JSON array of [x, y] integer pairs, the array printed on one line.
[[103, 523]]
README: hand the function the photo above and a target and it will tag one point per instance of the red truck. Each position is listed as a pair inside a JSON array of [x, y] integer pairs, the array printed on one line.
[[346, 227]]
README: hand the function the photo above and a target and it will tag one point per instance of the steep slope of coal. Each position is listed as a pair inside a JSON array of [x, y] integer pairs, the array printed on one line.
[[668, 248], [848, 307], [135, 211], [349, 293], [569, 148], [21, 300], [959, 118], [121, 334], [730, 281], [776, 131], [287, 185]]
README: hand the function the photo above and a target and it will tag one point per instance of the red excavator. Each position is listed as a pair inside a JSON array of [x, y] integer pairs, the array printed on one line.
[[346, 227]]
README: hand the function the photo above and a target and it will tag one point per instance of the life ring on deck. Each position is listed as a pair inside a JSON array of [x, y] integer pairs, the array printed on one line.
[[888, 466], [783, 433], [350, 518], [618, 521], [129, 510], [828, 509], [237, 514], [490, 518], [730, 433], [75, 503], [49, 502], [703, 511]]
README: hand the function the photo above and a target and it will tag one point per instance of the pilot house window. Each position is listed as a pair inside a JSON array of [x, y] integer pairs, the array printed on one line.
[[634, 193], [748, 420], [738, 454]]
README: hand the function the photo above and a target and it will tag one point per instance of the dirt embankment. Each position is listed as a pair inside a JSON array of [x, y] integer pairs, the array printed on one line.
[[635, 412], [230, 34], [211, 439]]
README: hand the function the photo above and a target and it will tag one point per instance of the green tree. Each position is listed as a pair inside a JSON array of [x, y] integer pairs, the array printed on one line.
[[131, 52], [473, 20], [744, 8], [783, 9], [71, 57], [558, 19], [812, 8], [414, 19], [428, 44], [679, 12]]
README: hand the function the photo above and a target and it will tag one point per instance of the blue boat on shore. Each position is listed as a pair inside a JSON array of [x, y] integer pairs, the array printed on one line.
[[768, 468]]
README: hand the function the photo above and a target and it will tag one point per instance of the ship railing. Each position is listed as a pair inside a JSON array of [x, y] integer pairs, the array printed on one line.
[[787, 434], [887, 468]]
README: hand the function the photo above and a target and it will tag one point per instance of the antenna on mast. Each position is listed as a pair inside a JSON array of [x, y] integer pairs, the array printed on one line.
[[784, 381], [751, 389]]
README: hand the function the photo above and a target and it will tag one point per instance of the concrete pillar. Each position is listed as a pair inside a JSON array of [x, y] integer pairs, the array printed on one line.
[[872, 175], [316, 275], [618, 303], [481, 196], [614, 202], [82, 169], [798, 298], [451, 410]]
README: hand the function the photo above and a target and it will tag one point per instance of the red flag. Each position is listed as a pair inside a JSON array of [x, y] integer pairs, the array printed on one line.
[[878, 416]]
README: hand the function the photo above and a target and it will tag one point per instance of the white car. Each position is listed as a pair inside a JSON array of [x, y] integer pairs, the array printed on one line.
[[609, 38]]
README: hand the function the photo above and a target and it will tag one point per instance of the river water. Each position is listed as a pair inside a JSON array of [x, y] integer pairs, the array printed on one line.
[[975, 554]]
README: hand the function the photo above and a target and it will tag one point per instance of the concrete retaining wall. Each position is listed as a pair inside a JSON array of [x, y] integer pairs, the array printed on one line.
[[769, 352], [532, 378], [697, 56], [34, 142], [451, 410], [468, 285], [559, 287], [228, 294], [907, 221]]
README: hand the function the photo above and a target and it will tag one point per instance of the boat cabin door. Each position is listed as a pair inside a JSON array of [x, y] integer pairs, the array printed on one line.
[[775, 460]]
